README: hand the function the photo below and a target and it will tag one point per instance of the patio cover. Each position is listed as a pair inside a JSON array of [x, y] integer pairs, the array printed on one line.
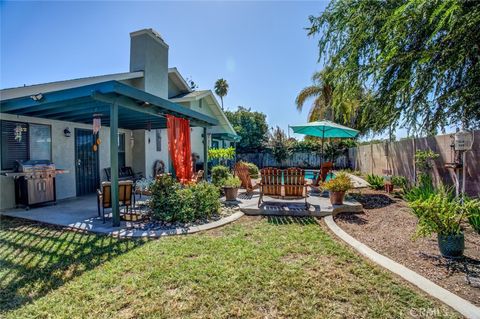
[[120, 106]]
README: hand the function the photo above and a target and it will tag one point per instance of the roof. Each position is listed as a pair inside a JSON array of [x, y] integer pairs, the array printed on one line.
[[178, 79], [190, 96], [217, 110], [12, 93], [137, 108]]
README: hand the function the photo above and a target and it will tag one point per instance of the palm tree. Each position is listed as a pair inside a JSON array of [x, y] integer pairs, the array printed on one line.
[[221, 89], [322, 91]]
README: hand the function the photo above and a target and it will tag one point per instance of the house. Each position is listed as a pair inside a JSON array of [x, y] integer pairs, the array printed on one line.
[[54, 121]]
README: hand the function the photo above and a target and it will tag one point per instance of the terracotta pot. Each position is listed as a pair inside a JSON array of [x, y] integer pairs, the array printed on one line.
[[336, 198], [230, 193], [388, 187]]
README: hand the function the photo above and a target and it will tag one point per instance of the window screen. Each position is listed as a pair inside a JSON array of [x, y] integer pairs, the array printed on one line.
[[14, 143], [40, 142]]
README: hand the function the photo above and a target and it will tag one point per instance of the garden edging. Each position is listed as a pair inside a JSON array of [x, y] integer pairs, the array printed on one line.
[[459, 304], [131, 233]]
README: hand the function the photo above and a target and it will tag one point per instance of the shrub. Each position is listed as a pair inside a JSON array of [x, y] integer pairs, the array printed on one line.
[[442, 213], [252, 169], [341, 183], [232, 181], [172, 202], [399, 181], [423, 191], [424, 159], [219, 173], [206, 199], [221, 153], [474, 219], [376, 181], [163, 203]]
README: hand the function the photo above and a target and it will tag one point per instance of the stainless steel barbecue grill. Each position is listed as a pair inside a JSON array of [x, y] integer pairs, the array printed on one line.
[[34, 182]]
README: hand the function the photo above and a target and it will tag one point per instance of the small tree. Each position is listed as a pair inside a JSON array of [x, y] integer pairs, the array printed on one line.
[[252, 128], [279, 145]]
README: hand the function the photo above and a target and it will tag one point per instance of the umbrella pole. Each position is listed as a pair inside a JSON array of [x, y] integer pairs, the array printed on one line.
[[323, 140]]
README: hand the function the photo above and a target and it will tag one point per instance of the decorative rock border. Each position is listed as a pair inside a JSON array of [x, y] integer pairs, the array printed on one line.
[[461, 305], [137, 233]]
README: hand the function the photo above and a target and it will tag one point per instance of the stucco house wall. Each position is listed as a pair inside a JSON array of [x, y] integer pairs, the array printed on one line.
[[63, 155]]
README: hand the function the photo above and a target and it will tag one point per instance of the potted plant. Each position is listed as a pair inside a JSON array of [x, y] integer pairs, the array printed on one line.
[[337, 187], [230, 187], [443, 214]]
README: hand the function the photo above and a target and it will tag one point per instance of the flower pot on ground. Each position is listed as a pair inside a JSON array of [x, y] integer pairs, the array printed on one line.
[[388, 186], [230, 187], [337, 187], [442, 213], [336, 198], [451, 246]]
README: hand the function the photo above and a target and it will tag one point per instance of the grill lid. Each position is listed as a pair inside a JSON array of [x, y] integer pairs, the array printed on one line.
[[33, 165]]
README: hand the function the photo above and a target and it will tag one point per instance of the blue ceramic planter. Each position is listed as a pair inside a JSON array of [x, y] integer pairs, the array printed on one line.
[[451, 246]]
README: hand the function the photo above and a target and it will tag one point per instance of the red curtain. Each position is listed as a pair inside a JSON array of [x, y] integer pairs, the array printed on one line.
[[180, 147]]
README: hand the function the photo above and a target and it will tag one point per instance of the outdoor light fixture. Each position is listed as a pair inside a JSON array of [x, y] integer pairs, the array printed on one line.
[[37, 97], [67, 132]]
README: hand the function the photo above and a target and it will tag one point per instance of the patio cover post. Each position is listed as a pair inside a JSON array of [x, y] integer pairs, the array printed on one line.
[[205, 152], [114, 162]]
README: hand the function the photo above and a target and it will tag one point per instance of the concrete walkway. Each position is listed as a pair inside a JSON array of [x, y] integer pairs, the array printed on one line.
[[81, 213], [461, 305]]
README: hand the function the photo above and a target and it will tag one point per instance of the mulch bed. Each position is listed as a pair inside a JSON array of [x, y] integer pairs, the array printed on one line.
[[387, 226]]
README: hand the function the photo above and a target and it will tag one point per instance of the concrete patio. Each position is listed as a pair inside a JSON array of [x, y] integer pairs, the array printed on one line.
[[320, 205], [81, 213]]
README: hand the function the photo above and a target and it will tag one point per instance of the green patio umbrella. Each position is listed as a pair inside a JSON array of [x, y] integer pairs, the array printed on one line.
[[325, 129]]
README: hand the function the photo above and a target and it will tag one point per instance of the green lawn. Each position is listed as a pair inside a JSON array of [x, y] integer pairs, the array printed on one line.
[[254, 268]]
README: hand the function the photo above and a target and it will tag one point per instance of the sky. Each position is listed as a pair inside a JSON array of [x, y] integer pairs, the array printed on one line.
[[260, 48]]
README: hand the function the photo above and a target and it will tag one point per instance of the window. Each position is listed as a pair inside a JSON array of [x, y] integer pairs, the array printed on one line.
[[24, 141], [121, 150], [40, 142]]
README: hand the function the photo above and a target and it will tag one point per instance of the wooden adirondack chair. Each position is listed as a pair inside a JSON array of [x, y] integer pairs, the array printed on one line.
[[295, 184], [241, 171], [319, 177], [270, 183]]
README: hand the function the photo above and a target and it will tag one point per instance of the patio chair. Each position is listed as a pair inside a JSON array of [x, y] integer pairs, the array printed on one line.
[[295, 185], [319, 177], [104, 196], [270, 183], [242, 172]]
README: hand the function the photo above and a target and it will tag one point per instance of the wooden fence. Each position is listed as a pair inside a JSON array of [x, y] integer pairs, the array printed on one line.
[[298, 159], [398, 157]]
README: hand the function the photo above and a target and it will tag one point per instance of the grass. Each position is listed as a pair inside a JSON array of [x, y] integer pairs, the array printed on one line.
[[254, 268]]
